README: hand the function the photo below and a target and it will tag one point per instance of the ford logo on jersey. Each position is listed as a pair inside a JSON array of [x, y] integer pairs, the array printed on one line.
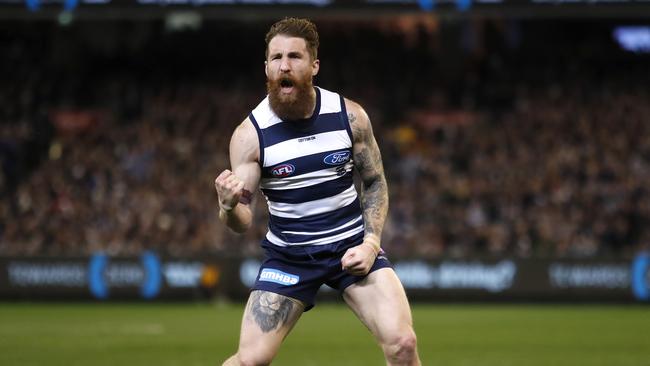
[[337, 158], [283, 170]]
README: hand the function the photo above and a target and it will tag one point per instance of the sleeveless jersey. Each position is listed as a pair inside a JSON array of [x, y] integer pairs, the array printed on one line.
[[306, 175]]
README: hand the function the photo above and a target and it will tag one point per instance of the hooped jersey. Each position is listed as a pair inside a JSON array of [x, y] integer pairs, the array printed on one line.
[[306, 168]]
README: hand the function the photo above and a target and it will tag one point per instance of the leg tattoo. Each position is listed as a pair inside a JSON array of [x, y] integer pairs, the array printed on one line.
[[270, 310]]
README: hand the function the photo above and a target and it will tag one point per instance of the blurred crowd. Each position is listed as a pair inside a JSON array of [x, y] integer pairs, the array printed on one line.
[[559, 174], [112, 143]]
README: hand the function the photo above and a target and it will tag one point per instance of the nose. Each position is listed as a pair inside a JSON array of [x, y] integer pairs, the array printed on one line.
[[284, 65]]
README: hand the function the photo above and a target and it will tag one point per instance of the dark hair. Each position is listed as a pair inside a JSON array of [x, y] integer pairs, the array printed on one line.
[[295, 27]]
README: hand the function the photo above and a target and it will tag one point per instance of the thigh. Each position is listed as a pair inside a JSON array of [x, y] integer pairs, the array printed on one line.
[[291, 272], [267, 320], [380, 302]]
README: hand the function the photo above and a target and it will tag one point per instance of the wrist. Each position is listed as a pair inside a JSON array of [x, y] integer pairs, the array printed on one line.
[[373, 242]]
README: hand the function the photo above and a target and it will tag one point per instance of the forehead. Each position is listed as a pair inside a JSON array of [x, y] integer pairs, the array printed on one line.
[[285, 44]]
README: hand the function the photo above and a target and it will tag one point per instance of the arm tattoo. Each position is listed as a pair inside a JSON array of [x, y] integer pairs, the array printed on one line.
[[270, 310], [374, 191], [352, 118], [246, 196], [356, 129]]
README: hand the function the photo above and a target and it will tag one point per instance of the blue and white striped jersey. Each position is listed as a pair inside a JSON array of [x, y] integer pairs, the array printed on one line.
[[307, 175]]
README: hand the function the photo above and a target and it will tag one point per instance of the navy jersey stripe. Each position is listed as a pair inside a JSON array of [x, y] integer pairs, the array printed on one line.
[[310, 193], [305, 164], [320, 222], [299, 238], [260, 137], [296, 129], [315, 250]]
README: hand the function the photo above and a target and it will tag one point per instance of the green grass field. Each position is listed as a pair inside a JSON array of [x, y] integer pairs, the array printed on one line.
[[203, 334]]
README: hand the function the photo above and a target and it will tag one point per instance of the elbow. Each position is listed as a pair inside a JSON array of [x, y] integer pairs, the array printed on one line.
[[238, 220], [240, 229], [376, 184]]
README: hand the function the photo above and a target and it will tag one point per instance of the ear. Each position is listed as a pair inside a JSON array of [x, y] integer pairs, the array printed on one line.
[[315, 66], [266, 68]]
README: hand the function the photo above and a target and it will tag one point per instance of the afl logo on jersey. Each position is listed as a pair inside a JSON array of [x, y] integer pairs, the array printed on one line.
[[337, 158], [283, 170]]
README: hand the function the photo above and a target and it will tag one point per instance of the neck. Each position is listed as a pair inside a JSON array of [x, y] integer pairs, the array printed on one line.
[[312, 102]]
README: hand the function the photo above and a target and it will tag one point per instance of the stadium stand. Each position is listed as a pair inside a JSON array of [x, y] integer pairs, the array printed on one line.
[[499, 138]]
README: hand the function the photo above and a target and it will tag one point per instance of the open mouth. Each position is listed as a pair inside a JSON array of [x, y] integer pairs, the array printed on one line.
[[286, 85]]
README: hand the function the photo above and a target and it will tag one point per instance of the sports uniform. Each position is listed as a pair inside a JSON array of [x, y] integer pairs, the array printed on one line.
[[314, 211]]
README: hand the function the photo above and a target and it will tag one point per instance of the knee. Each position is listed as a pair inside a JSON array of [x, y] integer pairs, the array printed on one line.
[[253, 359], [402, 348]]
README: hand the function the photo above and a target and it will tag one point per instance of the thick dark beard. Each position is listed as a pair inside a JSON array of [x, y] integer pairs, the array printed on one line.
[[292, 108]]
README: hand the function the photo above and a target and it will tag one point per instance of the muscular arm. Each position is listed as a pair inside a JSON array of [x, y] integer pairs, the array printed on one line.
[[367, 161], [234, 187]]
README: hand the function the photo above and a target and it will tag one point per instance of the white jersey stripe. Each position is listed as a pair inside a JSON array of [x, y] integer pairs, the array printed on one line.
[[330, 102], [298, 210], [264, 115], [292, 149]]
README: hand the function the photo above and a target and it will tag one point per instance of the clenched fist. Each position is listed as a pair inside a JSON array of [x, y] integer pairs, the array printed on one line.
[[229, 189], [358, 260]]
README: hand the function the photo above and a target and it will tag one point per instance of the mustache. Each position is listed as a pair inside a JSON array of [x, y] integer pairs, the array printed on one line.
[[283, 81], [287, 81]]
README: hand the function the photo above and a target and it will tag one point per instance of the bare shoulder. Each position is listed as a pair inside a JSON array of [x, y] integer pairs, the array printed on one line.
[[359, 120], [244, 133], [244, 144]]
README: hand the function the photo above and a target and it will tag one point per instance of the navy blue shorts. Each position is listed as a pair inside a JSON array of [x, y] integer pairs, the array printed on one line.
[[298, 272]]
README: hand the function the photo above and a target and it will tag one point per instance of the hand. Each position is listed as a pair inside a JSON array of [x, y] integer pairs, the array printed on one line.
[[358, 260], [229, 188]]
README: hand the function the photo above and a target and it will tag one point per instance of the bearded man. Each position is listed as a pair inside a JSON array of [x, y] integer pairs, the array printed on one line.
[[300, 146]]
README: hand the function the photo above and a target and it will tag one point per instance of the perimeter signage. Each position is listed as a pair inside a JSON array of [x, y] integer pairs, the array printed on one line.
[[151, 277], [103, 277]]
